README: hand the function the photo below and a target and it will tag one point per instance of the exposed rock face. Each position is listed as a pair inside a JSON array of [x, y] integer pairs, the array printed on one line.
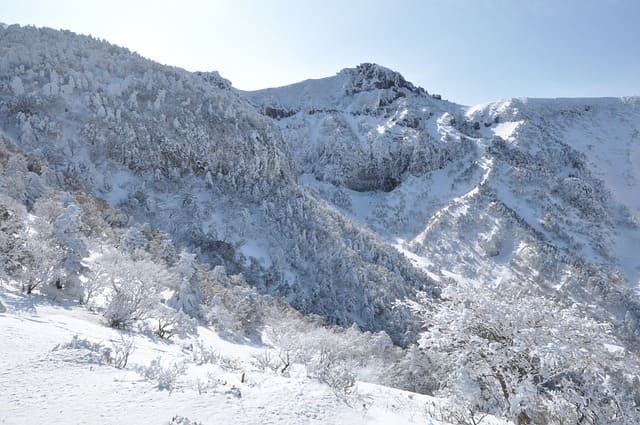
[[370, 76]]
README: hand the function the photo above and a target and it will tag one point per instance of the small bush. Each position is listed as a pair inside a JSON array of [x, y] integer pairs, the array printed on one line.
[[331, 370], [268, 361], [171, 323], [181, 420], [203, 355], [117, 355], [166, 377], [120, 351]]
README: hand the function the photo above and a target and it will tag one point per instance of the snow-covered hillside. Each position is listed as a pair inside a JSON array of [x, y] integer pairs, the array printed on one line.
[[62, 367], [189, 156], [385, 135], [522, 200], [485, 255]]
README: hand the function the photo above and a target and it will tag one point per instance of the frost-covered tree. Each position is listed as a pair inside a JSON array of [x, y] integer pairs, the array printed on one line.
[[188, 296], [12, 245], [66, 233], [134, 288], [535, 363], [231, 305], [43, 256]]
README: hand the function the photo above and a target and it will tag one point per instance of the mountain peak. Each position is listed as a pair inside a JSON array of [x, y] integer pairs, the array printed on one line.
[[215, 79], [371, 76]]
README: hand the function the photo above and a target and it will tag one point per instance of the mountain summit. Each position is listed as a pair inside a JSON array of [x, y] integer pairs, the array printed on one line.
[[370, 76]]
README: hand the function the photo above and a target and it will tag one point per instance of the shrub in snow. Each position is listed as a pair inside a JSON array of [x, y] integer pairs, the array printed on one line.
[[171, 322], [232, 306], [117, 355], [338, 375], [130, 302], [268, 360], [165, 376], [93, 352], [181, 420], [120, 352], [95, 281], [416, 371], [461, 415], [200, 354], [134, 288]]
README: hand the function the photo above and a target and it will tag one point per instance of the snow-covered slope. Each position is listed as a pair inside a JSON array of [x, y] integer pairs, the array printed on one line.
[[188, 155], [467, 188], [55, 371], [526, 200]]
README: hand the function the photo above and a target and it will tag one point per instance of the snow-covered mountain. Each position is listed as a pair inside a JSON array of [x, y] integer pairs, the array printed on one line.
[[508, 204], [188, 155], [539, 190], [495, 245], [363, 129]]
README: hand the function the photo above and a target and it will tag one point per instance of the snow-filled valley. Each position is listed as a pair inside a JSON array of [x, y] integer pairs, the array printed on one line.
[[350, 249]]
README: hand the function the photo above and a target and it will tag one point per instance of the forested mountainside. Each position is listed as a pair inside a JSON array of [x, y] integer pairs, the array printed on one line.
[[187, 155], [495, 245], [538, 189]]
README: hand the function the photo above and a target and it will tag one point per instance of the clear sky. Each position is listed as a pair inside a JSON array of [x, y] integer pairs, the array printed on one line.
[[470, 51]]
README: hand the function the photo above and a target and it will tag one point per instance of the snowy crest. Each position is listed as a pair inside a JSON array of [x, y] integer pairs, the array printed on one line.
[[370, 76]]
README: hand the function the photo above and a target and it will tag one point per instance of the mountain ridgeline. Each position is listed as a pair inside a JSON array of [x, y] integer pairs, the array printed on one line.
[[485, 237]]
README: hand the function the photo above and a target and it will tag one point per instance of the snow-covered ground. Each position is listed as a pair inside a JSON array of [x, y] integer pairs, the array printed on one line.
[[53, 372]]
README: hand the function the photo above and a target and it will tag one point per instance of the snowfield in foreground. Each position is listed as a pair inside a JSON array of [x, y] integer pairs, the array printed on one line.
[[57, 371]]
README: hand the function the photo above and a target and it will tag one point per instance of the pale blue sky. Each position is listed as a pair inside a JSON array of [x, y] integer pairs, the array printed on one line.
[[469, 51]]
